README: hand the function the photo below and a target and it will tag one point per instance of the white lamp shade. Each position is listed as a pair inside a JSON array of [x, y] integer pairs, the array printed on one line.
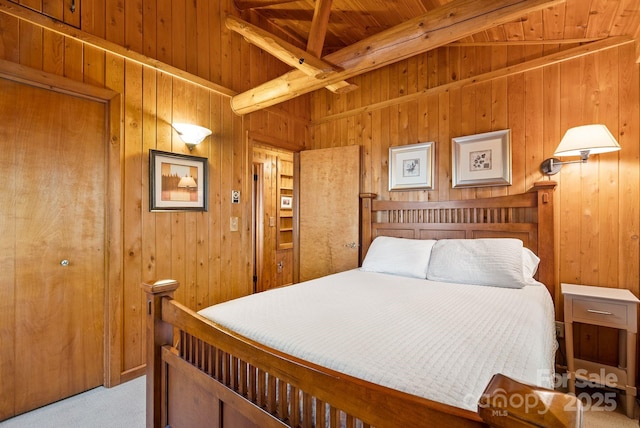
[[188, 182], [592, 138], [191, 134]]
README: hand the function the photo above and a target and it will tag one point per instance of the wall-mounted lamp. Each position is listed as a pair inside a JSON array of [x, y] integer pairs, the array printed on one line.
[[192, 135], [581, 141]]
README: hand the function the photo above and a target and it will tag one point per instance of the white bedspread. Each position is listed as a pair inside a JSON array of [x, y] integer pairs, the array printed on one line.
[[441, 341]]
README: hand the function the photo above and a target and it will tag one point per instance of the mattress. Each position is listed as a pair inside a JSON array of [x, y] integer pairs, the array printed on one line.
[[441, 341]]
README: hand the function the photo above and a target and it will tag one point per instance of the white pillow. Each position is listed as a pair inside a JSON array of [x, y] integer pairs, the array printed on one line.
[[398, 256], [529, 263], [493, 261]]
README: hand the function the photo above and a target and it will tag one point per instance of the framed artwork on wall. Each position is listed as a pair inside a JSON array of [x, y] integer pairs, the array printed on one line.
[[177, 182], [411, 167], [286, 202], [482, 159]]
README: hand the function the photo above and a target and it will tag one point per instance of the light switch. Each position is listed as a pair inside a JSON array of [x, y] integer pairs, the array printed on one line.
[[233, 224], [272, 222]]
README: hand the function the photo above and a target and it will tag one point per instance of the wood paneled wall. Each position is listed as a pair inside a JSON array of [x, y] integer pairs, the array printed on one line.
[[197, 249], [599, 204]]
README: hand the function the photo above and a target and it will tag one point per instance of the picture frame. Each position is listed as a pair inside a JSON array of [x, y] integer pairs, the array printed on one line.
[[482, 159], [177, 182], [286, 202], [411, 167]]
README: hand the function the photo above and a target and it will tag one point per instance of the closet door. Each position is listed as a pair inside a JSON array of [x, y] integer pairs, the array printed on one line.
[[52, 151], [329, 211]]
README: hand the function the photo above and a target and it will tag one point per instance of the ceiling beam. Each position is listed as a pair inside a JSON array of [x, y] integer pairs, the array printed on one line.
[[288, 53], [252, 4], [281, 49], [438, 27], [319, 26]]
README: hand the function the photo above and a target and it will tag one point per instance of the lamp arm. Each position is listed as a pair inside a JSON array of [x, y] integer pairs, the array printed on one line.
[[552, 166], [554, 161]]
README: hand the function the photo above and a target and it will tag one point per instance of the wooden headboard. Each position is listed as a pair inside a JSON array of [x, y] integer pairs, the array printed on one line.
[[526, 216]]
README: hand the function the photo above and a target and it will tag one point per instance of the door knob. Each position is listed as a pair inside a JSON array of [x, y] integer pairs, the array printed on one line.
[[64, 263]]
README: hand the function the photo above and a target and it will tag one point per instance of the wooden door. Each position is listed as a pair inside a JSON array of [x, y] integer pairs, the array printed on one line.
[[52, 205], [329, 211]]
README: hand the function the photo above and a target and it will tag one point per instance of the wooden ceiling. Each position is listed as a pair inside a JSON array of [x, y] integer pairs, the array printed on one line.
[[337, 33]]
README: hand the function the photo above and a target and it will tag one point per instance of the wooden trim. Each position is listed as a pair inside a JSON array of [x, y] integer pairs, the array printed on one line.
[[529, 42], [115, 261], [58, 27], [272, 141], [555, 58], [252, 4], [41, 79], [113, 201]]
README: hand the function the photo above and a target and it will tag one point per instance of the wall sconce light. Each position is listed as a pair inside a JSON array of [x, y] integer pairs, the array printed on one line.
[[192, 135], [581, 141]]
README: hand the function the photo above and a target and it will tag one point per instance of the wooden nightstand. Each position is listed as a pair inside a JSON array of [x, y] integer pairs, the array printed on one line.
[[608, 307]]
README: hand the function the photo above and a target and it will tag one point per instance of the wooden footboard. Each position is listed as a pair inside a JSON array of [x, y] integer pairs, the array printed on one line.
[[200, 374]]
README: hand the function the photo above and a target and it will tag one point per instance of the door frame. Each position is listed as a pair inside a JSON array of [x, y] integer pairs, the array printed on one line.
[[113, 281], [257, 232]]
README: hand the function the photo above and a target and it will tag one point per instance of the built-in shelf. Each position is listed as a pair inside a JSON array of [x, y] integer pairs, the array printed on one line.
[[285, 205]]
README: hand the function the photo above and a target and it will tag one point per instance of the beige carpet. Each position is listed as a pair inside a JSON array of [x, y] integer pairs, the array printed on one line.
[[607, 409], [124, 407], [120, 407]]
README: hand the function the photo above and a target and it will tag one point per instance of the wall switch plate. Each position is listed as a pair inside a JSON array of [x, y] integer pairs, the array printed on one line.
[[235, 196], [233, 224], [559, 329]]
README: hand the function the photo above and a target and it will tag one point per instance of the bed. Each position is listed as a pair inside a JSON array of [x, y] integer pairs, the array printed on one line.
[[351, 349]]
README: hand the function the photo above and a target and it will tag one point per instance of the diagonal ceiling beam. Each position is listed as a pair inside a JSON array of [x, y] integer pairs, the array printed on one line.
[[288, 53], [281, 49], [438, 27]]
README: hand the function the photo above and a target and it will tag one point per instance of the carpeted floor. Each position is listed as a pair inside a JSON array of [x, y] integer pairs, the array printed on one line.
[[604, 408], [124, 407]]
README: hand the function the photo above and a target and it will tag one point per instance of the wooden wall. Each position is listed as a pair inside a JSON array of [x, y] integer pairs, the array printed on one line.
[[598, 202], [183, 43]]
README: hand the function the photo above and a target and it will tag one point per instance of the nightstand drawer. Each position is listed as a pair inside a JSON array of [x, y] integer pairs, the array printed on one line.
[[607, 313]]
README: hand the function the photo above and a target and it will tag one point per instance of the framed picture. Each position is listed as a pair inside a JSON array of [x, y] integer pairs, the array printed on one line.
[[286, 202], [482, 159], [411, 167], [177, 182]]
